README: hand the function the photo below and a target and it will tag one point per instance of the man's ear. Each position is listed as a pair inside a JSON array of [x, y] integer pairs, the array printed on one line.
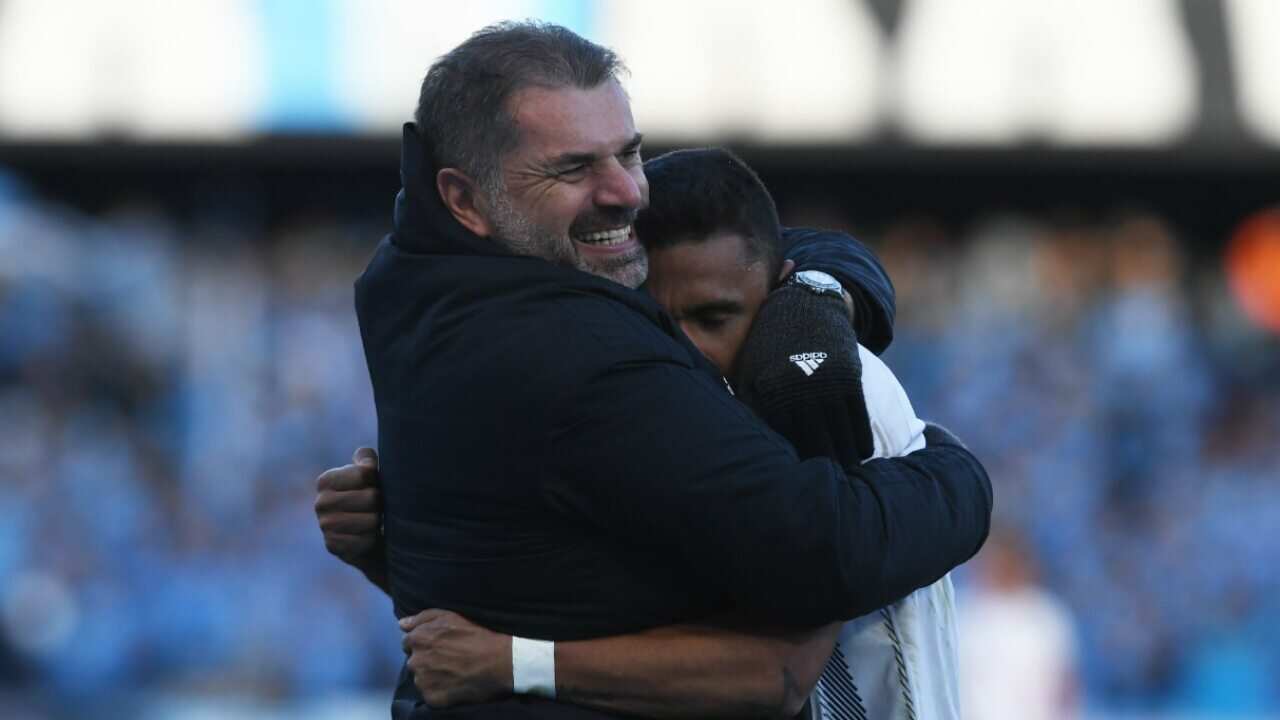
[[788, 266], [462, 198]]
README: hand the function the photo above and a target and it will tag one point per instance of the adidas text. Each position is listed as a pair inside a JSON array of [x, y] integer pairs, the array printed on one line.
[[808, 362]]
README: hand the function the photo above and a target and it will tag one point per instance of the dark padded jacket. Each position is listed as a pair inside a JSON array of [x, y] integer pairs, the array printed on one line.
[[559, 461]]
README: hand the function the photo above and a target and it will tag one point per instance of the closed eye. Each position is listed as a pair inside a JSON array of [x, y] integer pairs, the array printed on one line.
[[630, 154], [713, 315], [572, 172], [710, 321]]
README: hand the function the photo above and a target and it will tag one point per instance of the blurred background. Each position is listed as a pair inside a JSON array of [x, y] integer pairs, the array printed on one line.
[[1078, 201]]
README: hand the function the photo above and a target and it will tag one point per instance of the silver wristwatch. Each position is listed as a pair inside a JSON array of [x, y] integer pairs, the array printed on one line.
[[817, 282]]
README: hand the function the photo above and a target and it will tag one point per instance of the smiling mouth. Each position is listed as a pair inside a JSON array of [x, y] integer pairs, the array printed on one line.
[[605, 238]]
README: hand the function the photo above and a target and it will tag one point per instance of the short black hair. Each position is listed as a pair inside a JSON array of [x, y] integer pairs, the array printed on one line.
[[696, 193], [462, 109]]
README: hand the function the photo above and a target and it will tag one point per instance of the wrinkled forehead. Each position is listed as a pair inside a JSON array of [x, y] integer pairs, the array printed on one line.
[[559, 120]]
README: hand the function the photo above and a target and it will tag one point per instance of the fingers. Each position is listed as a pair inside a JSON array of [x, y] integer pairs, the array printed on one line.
[[424, 629], [409, 622], [364, 500], [349, 523], [350, 548], [421, 631], [450, 658], [362, 473], [348, 477], [348, 509], [366, 457]]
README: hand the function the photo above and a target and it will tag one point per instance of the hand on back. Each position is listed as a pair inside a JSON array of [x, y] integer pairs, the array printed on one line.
[[349, 510]]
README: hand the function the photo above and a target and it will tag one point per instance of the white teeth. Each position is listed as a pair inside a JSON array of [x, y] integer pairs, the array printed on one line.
[[615, 236]]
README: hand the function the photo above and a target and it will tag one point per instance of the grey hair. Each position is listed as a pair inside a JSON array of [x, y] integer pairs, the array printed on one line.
[[462, 109]]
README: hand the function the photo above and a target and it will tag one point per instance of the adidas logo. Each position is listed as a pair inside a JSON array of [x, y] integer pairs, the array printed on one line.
[[808, 362]]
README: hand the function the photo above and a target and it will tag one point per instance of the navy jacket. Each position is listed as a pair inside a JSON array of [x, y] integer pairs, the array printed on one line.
[[559, 461]]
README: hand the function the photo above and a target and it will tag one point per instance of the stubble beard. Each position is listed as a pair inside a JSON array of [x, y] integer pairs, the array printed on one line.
[[522, 236]]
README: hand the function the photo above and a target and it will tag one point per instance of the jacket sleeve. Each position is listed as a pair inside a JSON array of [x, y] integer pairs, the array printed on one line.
[[656, 454], [858, 270]]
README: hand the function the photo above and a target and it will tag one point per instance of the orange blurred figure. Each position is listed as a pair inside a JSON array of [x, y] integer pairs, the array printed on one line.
[[1253, 267]]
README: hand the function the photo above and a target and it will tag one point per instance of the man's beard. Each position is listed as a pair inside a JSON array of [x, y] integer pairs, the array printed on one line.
[[522, 236]]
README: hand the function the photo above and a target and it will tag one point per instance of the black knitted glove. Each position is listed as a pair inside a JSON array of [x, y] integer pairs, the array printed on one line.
[[799, 371]]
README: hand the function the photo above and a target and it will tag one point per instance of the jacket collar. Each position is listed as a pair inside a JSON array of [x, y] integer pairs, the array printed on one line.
[[422, 223]]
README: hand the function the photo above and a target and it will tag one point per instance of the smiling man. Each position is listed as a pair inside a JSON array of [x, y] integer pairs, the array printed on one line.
[[569, 212], [558, 460]]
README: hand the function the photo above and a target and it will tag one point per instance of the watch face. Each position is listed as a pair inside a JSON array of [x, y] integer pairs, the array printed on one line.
[[819, 282]]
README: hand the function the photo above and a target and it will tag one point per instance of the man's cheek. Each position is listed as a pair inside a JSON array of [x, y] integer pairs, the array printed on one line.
[[706, 343], [733, 347], [721, 354]]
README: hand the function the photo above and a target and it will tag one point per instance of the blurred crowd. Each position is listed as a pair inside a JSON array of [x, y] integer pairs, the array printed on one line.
[[170, 388], [169, 393], [1128, 415]]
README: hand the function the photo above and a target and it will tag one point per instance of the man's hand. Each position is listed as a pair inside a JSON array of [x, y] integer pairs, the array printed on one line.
[[454, 661], [349, 510]]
